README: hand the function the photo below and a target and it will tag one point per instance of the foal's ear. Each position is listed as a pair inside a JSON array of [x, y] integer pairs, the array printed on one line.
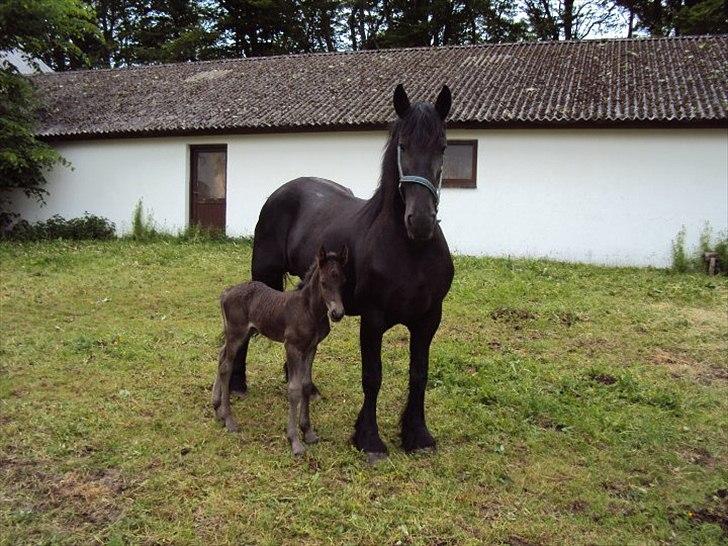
[[344, 254], [321, 255], [401, 101], [443, 102]]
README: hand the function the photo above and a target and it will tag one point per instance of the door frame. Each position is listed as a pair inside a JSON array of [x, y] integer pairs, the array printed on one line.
[[193, 150]]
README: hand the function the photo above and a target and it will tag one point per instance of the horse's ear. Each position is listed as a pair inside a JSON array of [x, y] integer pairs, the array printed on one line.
[[344, 254], [321, 255], [401, 101], [443, 102]]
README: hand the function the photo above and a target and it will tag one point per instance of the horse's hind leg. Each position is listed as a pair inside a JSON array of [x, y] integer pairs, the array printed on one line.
[[269, 262], [238, 379], [307, 386]]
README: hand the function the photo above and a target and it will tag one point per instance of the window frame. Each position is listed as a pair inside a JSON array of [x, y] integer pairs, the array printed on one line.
[[471, 182]]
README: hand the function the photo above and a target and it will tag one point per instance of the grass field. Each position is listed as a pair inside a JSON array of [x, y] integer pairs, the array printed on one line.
[[572, 405]]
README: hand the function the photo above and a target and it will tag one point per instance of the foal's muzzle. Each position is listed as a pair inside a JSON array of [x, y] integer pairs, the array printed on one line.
[[336, 313]]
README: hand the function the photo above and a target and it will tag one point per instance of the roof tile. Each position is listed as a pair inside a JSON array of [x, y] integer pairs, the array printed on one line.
[[682, 79]]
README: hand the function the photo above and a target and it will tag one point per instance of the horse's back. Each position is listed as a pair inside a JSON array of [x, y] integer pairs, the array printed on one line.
[[292, 222]]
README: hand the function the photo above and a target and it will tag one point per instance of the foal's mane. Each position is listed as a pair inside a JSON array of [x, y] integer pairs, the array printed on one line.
[[313, 271]]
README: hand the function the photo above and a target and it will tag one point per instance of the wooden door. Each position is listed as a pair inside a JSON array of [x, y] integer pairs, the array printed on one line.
[[208, 186]]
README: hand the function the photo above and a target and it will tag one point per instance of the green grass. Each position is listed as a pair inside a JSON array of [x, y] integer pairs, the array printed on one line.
[[572, 405]]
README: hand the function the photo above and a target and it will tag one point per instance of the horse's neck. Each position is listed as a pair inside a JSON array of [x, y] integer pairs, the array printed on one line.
[[311, 294], [386, 200]]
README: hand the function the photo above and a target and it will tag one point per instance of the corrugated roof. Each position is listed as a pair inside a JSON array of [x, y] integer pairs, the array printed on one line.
[[666, 80]]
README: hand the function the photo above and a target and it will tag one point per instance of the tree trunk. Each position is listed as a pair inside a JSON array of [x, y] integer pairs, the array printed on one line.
[[568, 19]]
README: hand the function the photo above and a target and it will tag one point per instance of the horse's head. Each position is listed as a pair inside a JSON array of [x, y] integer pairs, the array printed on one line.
[[421, 147], [331, 279]]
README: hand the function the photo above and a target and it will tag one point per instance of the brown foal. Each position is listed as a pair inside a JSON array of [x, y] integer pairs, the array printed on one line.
[[298, 318]]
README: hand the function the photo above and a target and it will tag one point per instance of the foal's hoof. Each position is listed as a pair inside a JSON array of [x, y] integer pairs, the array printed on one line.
[[231, 425], [310, 437], [375, 457], [298, 449], [315, 393]]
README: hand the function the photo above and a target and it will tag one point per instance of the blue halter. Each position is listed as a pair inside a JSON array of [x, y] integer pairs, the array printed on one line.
[[412, 179]]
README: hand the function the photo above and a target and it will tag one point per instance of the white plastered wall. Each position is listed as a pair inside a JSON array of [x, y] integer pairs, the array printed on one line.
[[591, 195]]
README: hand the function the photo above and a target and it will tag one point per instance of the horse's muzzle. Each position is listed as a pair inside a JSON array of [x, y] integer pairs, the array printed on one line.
[[420, 227]]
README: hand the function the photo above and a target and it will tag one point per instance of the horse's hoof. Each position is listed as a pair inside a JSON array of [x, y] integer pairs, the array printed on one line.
[[239, 393], [418, 441], [231, 425], [310, 437], [422, 450], [298, 449], [375, 457]]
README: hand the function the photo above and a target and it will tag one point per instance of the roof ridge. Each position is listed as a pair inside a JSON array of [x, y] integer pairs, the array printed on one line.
[[230, 60]]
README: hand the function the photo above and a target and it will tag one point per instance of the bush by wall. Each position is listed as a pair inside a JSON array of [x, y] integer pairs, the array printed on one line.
[[89, 226]]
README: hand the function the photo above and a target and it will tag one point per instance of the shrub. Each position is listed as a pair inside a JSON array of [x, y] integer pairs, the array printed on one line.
[[89, 226], [707, 244], [143, 227], [680, 260]]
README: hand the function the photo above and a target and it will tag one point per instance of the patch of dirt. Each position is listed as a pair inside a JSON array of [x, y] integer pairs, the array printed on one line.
[[699, 456], [714, 511], [569, 318], [681, 365], [603, 378], [495, 345], [516, 540], [546, 422], [578, 507], [513, 316], [93, 497]]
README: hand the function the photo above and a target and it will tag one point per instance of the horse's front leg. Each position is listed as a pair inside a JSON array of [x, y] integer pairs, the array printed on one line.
[[366, 431], [414, 430]]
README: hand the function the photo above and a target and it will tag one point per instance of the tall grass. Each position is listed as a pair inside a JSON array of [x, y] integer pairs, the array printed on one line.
[[680, 261]]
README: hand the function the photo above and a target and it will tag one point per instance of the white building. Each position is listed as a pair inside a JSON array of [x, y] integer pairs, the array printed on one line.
[[595, 151]]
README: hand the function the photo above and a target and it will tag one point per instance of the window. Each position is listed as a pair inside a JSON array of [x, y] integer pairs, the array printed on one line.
[[460, 166]]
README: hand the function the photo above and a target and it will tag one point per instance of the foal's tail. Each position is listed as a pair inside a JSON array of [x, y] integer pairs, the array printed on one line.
[[223, 297]]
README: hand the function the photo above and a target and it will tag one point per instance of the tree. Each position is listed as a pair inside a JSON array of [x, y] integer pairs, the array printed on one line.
[[665, 17], [46, 29], [569, 19]]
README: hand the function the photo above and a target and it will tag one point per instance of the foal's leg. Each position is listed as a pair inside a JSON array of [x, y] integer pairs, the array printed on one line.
[[309, 435], [221, 390], [295, 395], [315, 393]]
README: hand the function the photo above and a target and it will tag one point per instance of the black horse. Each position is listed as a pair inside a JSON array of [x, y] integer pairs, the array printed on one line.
[[399, 267]]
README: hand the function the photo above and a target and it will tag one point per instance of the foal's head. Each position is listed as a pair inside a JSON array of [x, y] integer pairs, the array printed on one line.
[[331, 279], [421, 140]]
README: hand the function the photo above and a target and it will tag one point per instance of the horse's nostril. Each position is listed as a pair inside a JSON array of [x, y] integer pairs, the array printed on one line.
[[408, 219]]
